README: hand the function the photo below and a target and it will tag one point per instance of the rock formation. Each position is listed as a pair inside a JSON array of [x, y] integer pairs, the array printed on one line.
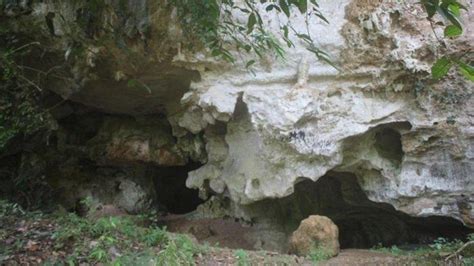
[[315, 232], [406, 139]]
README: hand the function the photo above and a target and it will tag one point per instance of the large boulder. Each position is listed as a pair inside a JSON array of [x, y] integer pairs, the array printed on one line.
[[315, 232]]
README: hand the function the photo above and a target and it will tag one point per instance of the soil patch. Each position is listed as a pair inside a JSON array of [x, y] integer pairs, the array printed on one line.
[[222, 232]]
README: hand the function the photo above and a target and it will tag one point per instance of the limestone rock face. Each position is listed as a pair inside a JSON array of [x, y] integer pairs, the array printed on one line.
[[407, 138], [315, 232]]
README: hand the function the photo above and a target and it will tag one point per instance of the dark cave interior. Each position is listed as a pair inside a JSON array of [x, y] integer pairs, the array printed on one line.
[[171, 191], [362, 223]]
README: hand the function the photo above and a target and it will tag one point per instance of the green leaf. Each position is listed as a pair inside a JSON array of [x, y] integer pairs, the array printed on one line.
[[431, 6], [455, 9], [284, 6], [441, 68], [466, 70], [250, 63], [320, 15], [273, 6], [452, 31], [251, 23], [304, 36], [132, 83], [454, 19], [449, 15], [321, 55], [314, 2], [285, 31], [453, 3], [302, 6], [216, 52]]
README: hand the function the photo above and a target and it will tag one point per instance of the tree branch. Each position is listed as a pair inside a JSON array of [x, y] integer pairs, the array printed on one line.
[[459, 250]]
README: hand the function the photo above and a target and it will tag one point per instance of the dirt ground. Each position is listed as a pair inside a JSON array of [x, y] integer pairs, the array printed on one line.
[[230, 235], [223, 232], [34, 244]]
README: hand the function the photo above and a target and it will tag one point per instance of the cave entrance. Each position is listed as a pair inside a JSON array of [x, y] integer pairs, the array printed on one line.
[[362, 223], [172, 195]]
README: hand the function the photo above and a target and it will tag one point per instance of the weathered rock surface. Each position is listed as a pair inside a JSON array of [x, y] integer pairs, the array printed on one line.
[[143, 140], [315, 232], [111, 55], [408, 139], [111, 160]]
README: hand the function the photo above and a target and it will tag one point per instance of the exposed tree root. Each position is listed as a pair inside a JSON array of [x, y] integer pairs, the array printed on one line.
[[459, 250]]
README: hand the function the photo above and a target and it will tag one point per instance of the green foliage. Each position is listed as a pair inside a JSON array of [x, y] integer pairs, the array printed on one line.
[[319, 254], [99, 255], [444, 245], [213, 24], [466, 70], [7, 208], [242, 257], [450, 10], [470, 237], [452, 31], [72, 227], [122, 233], [442, 66], [178, 251], [154, 237], [436, 251], [20, 112]]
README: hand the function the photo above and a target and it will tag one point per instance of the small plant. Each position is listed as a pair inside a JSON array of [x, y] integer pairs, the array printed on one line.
[[242, 257], [319, 254], [98, 254], [132, 258], [87, 202], [444, 245], [395, 250], [154, 237], [470, 237], [170, 255], [186, 245], [7, 208], [439, 243]]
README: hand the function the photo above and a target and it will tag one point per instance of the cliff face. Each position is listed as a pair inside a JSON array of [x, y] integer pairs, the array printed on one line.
[[408, 142], [407, 139]]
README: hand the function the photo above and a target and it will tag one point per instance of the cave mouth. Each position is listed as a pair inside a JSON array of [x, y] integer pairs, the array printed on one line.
[[362, 223], [172, 195]]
